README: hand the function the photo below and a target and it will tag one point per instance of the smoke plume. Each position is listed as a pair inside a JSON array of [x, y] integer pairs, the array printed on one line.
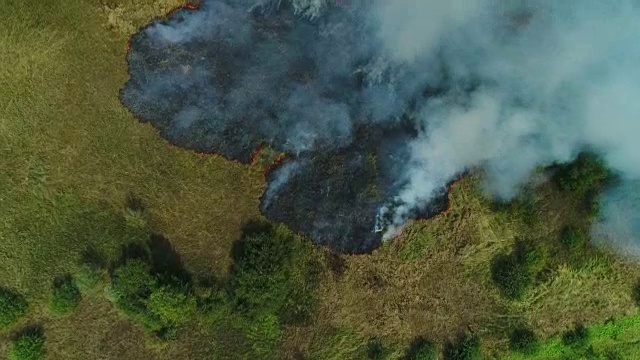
[[380, 104]]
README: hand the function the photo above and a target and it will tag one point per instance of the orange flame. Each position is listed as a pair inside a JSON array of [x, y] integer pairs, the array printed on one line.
[[255, 154]]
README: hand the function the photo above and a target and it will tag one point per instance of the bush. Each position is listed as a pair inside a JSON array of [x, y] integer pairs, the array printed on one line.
[[28, 346], [160, 306], [65, 296], [131, 286], [261, 271], [466, 347], [510, 275], [523, 340], [421, 349], [172, 305], [576, 337], [584, 176], [274, 272], [513, 273], [573, 237], [12, 307]]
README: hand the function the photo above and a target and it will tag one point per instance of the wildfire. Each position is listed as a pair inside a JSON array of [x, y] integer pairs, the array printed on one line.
[[255, 154], [451, 186]]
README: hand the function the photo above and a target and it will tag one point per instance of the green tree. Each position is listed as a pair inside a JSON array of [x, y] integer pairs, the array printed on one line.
[[12, 307], [132, 285], [172, 305], [585, 175]]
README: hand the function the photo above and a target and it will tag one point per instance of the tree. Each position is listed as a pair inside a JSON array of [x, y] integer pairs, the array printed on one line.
[[585, 175]]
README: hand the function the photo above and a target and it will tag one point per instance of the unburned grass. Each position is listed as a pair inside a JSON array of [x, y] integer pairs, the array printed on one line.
[[73, 160]]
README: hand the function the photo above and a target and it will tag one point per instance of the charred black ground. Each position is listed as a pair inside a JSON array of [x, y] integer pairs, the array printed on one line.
[[228, 78]]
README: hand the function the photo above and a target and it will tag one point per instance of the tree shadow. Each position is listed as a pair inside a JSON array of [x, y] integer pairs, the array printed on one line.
[[165, 261], [420, 348], [251, 228], [94, 258]]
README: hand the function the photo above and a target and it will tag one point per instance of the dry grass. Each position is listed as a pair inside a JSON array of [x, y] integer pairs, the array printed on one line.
[[72, 156]]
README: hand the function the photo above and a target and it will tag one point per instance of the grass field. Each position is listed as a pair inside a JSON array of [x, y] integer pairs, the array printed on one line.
[[81, 176]]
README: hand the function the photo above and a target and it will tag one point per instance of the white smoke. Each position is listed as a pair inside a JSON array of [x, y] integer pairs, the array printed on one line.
[[552, 77]]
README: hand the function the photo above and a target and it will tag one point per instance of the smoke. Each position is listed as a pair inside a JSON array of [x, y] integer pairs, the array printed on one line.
[[381, 103], [619, 227]]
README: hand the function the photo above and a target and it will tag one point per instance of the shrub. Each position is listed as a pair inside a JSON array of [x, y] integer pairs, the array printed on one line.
[[65, 296], [585, 175], [131, 286], [273, 272], [510, 275], [576, 337], [160, 306], [513, 273], [573, 237], [523, 340], [466, 347], [421, 349], [28, 346], [261, 271], [172, 305], [12, 307]]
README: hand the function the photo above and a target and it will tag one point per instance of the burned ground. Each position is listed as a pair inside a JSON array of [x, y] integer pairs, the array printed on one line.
[[267, 77]]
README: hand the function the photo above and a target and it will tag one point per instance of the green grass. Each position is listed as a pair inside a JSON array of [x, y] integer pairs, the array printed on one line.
[[82, 179], [619, 337], [13, 306], [29, 345], [65, 296]]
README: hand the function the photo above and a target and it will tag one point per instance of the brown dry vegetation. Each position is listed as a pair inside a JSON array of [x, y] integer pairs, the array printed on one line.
[[72, 157]]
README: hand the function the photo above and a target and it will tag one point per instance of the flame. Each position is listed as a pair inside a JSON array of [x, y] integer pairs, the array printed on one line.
[[449, 194], [255, 154]]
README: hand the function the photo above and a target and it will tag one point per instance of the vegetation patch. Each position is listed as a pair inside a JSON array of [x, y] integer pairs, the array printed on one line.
[[513, 273], [273, 273], [421, 349], [28, 345], [13, 306], [523, 340], [465, 347], [577, 337], [65, 296], [156, 296]]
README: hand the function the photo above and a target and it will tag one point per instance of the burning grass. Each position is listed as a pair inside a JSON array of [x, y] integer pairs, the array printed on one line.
[[72, 158]]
